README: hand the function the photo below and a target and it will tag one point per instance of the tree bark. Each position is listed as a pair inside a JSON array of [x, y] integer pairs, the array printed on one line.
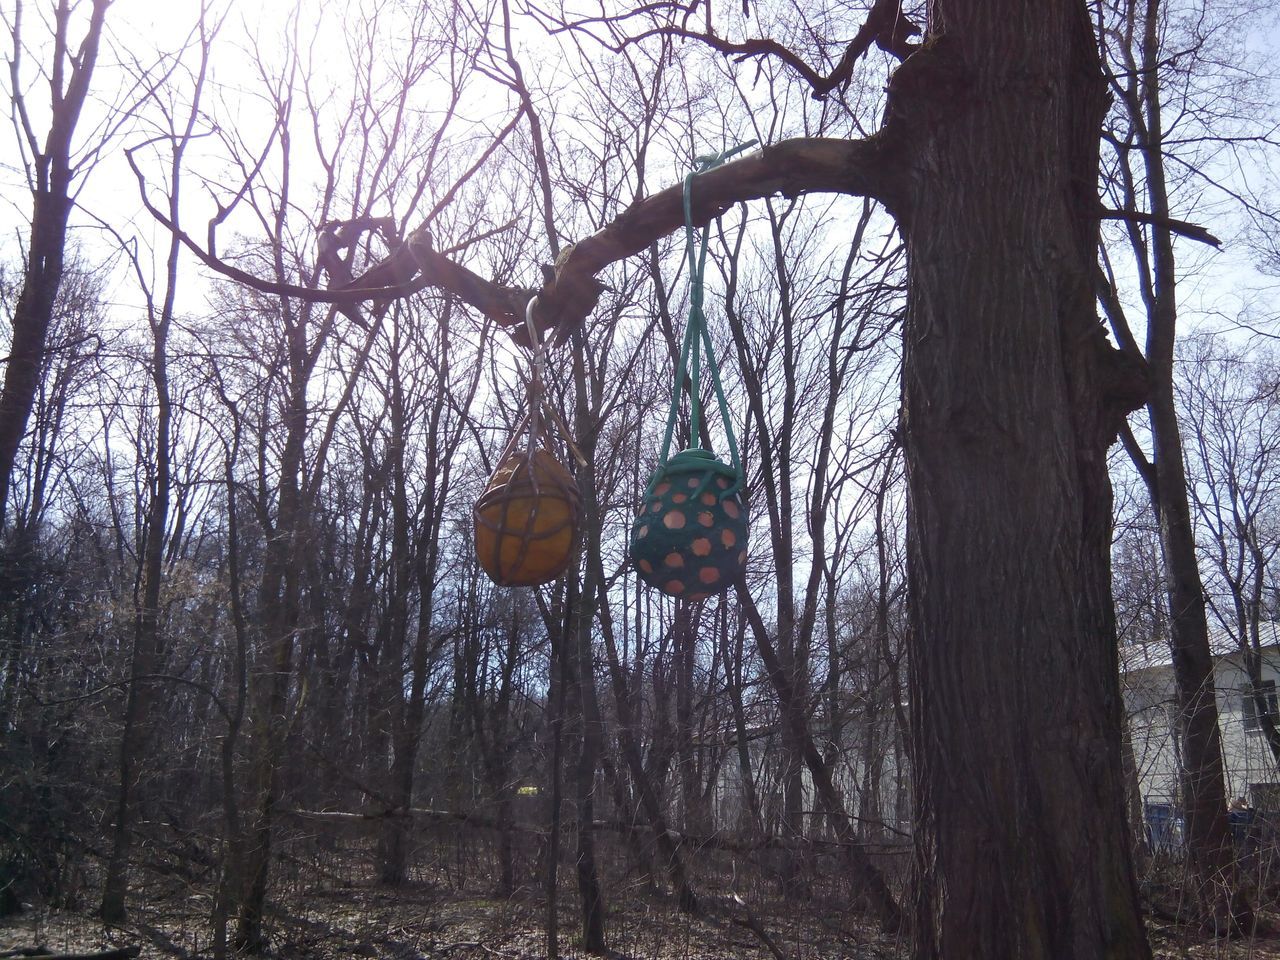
[[1011, 396]]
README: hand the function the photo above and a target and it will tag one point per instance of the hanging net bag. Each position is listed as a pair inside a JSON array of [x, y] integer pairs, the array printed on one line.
[[526, 521], [690, 537]]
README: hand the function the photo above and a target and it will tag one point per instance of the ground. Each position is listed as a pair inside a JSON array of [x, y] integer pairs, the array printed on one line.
[[418, 922], [328, 906]]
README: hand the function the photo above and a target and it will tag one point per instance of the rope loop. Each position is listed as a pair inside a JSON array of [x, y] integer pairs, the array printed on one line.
[[538, 413], [697, 339]]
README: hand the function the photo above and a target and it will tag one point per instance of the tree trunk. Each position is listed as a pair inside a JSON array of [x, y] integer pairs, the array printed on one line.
[[147, 642], [1011, 396], [749, 820], [555, 719], [395, 737], [1133, 795], [52, 174], [579, 661], [1203, 785], [1204, 790], [649, 804], [229, 883], [144, 662], [1204, 793], [279, 606]]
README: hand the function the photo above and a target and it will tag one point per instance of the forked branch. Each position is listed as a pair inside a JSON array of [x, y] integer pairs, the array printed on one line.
[[570, 289]]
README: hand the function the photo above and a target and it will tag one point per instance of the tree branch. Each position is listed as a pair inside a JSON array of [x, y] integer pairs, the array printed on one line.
[[790, 168], [1146, 469], [885, 26], [570, 289], [1191, 231]]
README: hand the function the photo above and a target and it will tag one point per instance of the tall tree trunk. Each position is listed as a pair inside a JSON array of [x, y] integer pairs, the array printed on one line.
[[750, 818], [650, 804], [279, 604], [396, 750], [229, 883], [147, 653], [52, 173], [555, 719], [147, 643], [444, 439], [685, 645], [1011, 396], [1203, 788], [579, 662]]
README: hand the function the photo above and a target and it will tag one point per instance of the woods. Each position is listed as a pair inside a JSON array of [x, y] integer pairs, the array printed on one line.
[[267, 344]]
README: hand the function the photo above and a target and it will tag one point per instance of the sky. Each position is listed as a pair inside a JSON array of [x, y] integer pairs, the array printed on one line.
[[1217, 288]]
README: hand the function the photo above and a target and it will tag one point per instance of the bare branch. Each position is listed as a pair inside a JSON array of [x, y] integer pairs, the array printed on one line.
[[570, 288], [886, 26], [789, 168], [1191, 231]]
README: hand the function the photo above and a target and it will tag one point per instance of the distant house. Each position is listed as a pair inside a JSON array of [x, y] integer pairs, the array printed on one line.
[[1151, 706], [879, 797]]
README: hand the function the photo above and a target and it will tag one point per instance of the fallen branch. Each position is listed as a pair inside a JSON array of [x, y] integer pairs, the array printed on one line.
[[870, 880], [43, 953], [697, 841], [749, 922]]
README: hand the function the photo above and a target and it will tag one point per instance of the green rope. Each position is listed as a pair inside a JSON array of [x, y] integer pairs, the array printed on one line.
[[697, 338]]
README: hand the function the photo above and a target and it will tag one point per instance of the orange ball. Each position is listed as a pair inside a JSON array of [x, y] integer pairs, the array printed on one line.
[[526, 521]]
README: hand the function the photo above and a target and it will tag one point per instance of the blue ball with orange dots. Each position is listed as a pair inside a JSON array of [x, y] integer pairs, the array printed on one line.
[[690, 537]]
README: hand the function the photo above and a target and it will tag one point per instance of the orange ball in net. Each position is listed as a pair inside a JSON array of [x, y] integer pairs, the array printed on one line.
[[526, 521]]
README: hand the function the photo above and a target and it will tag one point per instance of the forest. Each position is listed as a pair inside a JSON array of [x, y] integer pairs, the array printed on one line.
[[975, 302]]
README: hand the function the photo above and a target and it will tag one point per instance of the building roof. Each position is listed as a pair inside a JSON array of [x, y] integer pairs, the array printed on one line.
[[1154, 654]]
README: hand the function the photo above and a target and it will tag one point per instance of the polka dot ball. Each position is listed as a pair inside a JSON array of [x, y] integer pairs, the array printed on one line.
[[689, 539]]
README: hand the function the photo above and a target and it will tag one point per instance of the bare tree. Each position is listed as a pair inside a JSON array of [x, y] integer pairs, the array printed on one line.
[[1152, 52], [148, 643], [1228, 401], [52, 167]]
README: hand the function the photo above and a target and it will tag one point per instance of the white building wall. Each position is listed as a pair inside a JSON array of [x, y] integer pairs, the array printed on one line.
[[1150, 703]]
